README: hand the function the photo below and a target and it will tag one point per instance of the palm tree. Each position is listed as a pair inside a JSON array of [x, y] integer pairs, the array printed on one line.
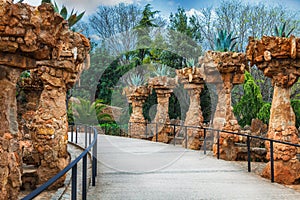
[[90, 113]]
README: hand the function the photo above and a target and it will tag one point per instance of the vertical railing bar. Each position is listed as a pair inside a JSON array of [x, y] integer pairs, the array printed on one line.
[[76, 138], [72, 131], [156, 132], [272, 160], [218, 144], [146, 130], [249, 153], [85, 136], [129, 130], [90, 135], [84, 176], [204, 143], [174, 132], [186, 137], [74, 183]]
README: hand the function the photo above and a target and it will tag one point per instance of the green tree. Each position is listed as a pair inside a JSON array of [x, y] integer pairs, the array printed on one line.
[[85, 112], [251, 102]]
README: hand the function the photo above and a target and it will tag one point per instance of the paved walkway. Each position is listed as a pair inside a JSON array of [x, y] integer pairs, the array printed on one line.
[[138, 169]]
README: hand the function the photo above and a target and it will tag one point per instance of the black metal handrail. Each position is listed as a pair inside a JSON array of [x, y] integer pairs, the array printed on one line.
[[73, 165], [205, 129]]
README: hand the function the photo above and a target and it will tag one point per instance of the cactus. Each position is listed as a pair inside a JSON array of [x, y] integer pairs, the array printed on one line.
[[281, 32], [224, 41]]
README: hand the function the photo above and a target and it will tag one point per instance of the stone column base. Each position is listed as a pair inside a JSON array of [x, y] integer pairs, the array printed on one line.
[[284, 172]]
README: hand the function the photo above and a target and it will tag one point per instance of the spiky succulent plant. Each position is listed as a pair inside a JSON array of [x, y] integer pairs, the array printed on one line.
[[162, 70], [281, 32], [190, 62], [72, 19], [135, 80], [224, 41]]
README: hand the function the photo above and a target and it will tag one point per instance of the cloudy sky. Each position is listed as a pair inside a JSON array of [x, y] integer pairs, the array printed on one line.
[[165, 6]]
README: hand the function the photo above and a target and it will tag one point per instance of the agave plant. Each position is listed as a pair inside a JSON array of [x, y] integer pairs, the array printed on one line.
[[135, 80], [72, 19], [190, 62], [224, 41], [281, 32], [162, 70]]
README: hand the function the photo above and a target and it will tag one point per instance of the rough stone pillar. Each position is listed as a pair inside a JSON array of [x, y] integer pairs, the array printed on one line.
[[224, 119], [279, 59], [193, 81], [282, 127], [10, 151], [51, 126], [224, 69], [194, 116], [137, 123], [163, 87]]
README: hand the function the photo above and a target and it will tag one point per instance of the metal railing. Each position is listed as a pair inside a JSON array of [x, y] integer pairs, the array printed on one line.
[[90, 148], [205, 129]]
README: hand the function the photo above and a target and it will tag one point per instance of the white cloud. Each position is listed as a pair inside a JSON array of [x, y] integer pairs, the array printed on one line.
[[192, 12]]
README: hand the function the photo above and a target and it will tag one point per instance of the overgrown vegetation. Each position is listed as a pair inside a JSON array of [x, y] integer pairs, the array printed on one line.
[[132, 36]]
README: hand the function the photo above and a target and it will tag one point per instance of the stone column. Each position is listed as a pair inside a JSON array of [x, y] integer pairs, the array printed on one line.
[[193, 81], [279, 59], [163, 87], [137, 123], [282, 128], [224, 69], [194, 116], [10, 151], [224, 119], [51, 126]]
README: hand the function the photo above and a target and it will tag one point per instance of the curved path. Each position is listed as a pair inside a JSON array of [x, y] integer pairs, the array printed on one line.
[[138, 169]]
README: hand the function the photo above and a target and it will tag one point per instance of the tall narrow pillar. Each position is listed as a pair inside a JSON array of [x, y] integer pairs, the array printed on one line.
[[193, 81], [279, 59], [10, 151], [224, 69], [163, 87], [136, 96], [51, 126]]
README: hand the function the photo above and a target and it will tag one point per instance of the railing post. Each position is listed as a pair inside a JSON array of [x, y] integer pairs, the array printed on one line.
[[94, 164], [272, 161], [72, 131], [146, 130], [76, 136], [84, 176], [129, 130], [249, 153], [156, 132], [204, 143], [85, 136], [218, 144], [74, 183], [174, 132], [186, 137], [90, 135]]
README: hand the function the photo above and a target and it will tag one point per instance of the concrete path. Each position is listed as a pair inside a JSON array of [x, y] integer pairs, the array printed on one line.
[[137, 169]]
